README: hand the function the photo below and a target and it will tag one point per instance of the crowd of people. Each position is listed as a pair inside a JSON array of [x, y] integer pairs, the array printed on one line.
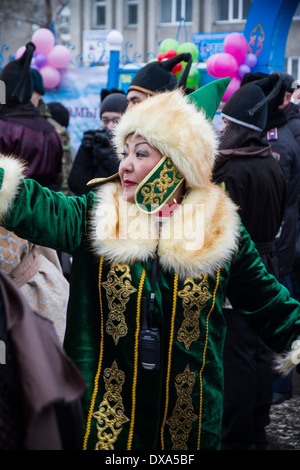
[[157, 271]]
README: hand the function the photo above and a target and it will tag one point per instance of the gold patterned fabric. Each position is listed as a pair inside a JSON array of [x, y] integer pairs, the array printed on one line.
[[183, 415], [116, 408], [118, 289], [110, 415], [153, 192], [194, 295]]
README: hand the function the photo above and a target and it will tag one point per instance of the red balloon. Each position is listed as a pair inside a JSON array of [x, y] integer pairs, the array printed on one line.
[[161, 56], [177, 68], [170, 53]]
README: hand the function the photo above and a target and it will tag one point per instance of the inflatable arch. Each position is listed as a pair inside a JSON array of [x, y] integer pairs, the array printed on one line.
[[266, 30]]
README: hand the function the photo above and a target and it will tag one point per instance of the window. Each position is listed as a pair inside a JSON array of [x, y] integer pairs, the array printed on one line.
[[100, 14], [171, 11], [132, 12], [232, 10], [293, 67]]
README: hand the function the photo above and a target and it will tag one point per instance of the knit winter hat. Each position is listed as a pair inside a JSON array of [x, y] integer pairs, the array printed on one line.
[[178, 126], [17, 77], [157, 76], [37, 81], [59, 113], [114, 102]]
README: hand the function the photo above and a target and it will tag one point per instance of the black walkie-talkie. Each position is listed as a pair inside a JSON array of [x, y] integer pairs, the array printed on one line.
[[149, 340], [149, 343]]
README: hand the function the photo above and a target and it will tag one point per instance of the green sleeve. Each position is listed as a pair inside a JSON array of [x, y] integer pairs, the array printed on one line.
[[49, 218], [265, 304]]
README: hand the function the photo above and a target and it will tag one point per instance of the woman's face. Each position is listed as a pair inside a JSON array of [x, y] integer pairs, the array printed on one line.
[[139, 158]]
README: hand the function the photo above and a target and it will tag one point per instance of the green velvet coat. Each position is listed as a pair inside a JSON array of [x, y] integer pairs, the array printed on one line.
[[125, 406]]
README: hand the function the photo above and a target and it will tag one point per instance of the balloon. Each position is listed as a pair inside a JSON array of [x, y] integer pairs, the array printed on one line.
[[59, 56], [167, 44], [20, 52], [250, 60], [210, 64], [189, 47], [193, 78], [170, 53], [177, 68], [236, 44], [234, 85], [40, 60], [51, 76], [161, 56], [243, 68], [44, 40], [225, 65]]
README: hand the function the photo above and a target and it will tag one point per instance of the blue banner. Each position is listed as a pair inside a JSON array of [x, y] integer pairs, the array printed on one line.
[[79, 91]]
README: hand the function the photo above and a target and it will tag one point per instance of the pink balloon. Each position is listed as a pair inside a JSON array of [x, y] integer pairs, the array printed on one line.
[[225, 65], [234, 85], [20, 52], [59, 56], [250, 60], [236, 44], [51, 76], [44, 40], [210, 64]]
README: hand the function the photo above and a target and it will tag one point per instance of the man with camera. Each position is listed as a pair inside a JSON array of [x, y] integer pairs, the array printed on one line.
[[95, 157]]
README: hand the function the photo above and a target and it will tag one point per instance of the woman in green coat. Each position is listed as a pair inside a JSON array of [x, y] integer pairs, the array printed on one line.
[[155, 252]]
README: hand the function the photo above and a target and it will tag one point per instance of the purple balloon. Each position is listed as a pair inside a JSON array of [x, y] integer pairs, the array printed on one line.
[[250, 60], [40, 60], [243, 69]]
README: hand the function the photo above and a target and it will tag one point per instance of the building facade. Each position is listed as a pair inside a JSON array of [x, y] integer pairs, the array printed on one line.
[[143, 24]]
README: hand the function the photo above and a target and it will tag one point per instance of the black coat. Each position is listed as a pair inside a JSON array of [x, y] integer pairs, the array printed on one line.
[[256, 183], [95, 159], [286, 150]]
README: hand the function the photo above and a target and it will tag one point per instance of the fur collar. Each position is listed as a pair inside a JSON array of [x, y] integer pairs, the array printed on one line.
[[200, 236]]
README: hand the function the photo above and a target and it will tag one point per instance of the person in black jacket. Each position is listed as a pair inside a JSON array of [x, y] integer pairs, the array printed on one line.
[[248, 171], [95, 157]]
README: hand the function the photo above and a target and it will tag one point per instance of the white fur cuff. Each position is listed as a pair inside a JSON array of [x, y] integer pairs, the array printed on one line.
[[13, 175], [285, 363]]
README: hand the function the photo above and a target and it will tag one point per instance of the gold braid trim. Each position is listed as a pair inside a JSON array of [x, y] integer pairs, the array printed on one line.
[[96, 381], [169, 360], [204, 354], [136, 352]]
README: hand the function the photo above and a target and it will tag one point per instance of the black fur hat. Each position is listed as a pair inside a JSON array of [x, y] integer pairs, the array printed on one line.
[[250, 104], [157, 76], [17, 78]]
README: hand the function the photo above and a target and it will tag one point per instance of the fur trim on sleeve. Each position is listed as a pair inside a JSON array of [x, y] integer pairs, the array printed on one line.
[[14, 170], [286, 362]]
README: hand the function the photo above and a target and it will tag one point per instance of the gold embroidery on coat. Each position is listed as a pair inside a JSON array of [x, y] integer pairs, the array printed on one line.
[[110, 415], [183, 416], [118, 290], [194, 297], [155, 191]]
